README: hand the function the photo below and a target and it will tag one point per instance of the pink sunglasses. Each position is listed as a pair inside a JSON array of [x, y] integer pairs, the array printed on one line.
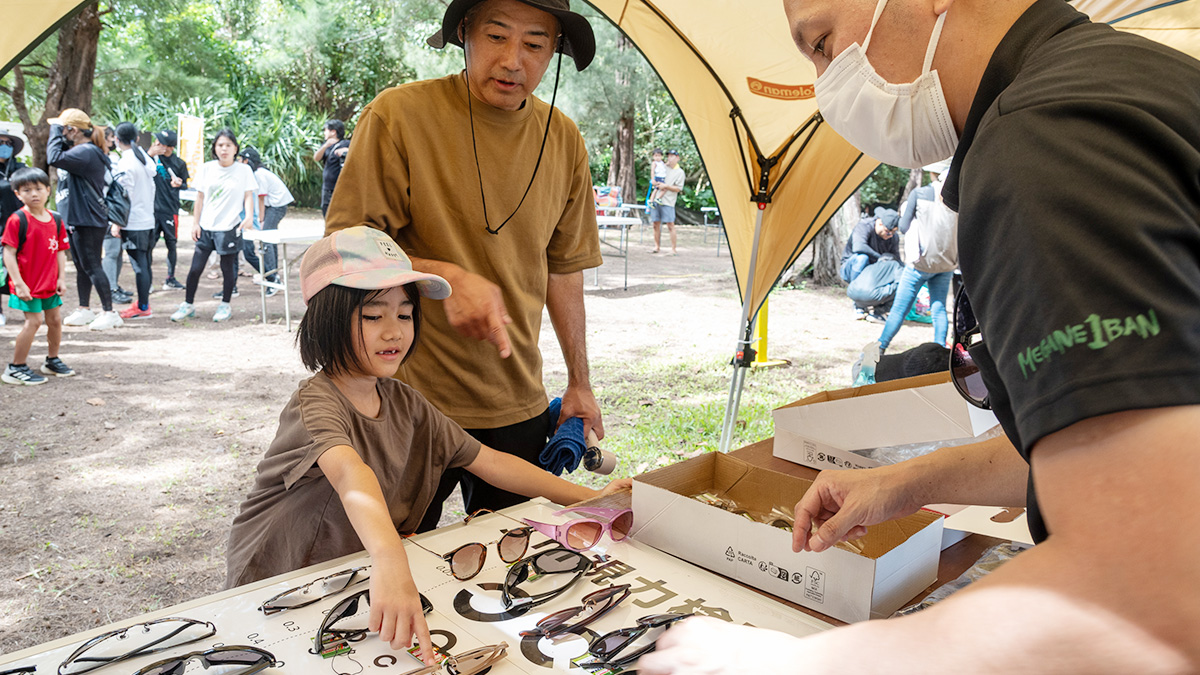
[[580, 534]]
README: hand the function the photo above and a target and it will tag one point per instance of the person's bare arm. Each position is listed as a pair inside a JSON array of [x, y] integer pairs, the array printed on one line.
[[509, 472], [20, 288], [564, 302], [395, 602], [1113, 590], [196, 211], [475, 307], [262, 209], [843, 503], [319, 155]]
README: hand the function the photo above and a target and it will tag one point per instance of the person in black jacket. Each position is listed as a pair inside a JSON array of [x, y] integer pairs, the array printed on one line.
[[172, 176], [10, 147], [83, 169]]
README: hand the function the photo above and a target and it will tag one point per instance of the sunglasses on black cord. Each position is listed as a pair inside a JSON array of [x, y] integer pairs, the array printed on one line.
[[963, 370]]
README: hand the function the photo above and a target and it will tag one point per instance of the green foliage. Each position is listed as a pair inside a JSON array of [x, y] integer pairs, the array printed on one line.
[[884, 187]]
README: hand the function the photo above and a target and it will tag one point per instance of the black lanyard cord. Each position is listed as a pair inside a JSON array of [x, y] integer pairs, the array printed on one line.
[[474, 149]]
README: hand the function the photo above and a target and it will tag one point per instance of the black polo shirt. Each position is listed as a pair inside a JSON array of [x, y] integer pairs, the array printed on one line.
[[1077, 182], [333, 165]]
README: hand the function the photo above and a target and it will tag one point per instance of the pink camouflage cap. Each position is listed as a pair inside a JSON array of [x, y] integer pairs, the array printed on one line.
[[363, 257]]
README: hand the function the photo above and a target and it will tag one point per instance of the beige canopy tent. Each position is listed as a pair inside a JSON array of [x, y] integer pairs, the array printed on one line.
[[777, 170]]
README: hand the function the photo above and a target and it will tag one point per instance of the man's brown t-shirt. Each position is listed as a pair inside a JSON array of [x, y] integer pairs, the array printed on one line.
[[294, 518], [411, 173]]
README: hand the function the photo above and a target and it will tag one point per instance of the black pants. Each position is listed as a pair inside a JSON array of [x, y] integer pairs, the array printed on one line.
[[138, 243], [524, 439], [228, 258], [87, 252], [326, 197], [168, 227]]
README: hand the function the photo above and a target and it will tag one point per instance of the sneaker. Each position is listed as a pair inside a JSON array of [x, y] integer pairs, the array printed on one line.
[[270, 293], [21, 375], [860, 314], [3, 320], [876, 317], [80, 317], [55, 366], [121, 297], [219, 294], [224, 311], [186, 310], [134, 312], [106, 320], [172, 284]]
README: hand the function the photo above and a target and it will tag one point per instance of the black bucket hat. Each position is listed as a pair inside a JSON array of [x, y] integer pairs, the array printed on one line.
[[578, 41], [18, 143]]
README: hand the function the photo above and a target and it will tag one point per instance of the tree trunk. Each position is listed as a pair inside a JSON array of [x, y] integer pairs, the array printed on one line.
[[914, 182], [70, 81], [621, 171], [828, 244]]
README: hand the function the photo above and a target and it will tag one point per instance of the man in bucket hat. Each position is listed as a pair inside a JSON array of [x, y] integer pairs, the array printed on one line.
[[488, 187]]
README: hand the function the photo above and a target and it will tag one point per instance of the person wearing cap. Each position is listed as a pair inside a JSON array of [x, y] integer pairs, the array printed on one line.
[[359, 455], [662, 210], [10, 146], [171, 176], [83, 167], [873, 239], [1076, 155], [488, 186], [332, 157]]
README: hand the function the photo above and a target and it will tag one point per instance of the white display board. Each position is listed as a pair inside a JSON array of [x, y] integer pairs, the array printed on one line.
[[467, 614]]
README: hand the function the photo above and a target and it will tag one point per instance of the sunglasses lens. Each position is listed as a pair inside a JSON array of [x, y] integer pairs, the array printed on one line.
[[584, 535], [557, 562], [966, 374], [513, 545], [606, 645], [175, 667], [621, 526], [557, 619], [468, 560], [964, 317], [244, 659]]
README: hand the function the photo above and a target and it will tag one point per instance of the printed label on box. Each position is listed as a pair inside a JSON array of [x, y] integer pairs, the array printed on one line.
[[814, 585]]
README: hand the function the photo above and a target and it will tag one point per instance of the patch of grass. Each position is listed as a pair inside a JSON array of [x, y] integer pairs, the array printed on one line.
[[660, 411]]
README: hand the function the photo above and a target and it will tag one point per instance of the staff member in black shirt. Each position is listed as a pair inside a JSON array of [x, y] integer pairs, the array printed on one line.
[[170, 178]]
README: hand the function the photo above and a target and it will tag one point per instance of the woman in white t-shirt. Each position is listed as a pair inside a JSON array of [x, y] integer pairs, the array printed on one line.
[[273, 200], [224, 206], [135, 171]]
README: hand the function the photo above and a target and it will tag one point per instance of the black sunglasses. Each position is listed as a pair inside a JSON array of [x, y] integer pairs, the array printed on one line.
[[623, 646], [316, 590], [137, 640], [552, 572], [963, 370], [232, 659], [595, 605], [347, 622]]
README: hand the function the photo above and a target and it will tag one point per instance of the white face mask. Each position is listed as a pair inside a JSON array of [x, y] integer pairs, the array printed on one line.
[[905, 125]]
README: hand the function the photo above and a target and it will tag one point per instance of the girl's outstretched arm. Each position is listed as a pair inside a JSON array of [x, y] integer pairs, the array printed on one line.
[[514, 474], [395, 602]]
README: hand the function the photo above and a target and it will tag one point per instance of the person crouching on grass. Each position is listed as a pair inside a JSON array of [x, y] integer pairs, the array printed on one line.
[[36, 263], [359, 455]]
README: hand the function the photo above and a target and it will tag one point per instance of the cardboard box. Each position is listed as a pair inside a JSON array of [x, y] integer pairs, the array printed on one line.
[[899, 558], [823, 430]]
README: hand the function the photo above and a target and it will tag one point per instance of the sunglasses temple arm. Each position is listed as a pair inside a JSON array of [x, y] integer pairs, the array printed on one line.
[[545, 528]]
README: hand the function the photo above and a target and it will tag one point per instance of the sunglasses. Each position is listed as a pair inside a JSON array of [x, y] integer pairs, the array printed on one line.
[[125, 643], [626, 645], [548, 575], [467, 560], [233, 659], [963, 370], [467, 663], [315, 590], [581, 534], [347, 622], [595, 605]]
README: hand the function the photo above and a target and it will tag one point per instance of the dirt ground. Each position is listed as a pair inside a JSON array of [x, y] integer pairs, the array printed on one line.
[[117, 486]]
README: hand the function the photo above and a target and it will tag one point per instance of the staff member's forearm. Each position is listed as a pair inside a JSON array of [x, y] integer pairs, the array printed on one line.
[[446, 270], [564, 302], [987, 473]]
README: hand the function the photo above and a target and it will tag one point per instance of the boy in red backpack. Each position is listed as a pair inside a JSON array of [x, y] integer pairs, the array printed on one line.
[[35, 246]]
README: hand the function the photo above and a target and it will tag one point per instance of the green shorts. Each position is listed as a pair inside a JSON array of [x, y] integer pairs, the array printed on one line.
[[36, 305]]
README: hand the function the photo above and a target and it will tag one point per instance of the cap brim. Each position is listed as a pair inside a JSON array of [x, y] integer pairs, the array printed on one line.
[[429, 285]]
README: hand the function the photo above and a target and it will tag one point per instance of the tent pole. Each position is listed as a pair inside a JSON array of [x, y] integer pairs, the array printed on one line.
[[744, 352]]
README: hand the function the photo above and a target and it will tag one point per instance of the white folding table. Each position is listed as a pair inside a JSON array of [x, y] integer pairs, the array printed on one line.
[[622, 221], [294, 232]]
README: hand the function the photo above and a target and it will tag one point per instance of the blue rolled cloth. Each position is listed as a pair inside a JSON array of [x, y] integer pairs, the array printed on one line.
[[567, 445]]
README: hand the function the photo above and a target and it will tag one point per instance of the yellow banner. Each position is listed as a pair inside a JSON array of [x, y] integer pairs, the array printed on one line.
[[191, 143]]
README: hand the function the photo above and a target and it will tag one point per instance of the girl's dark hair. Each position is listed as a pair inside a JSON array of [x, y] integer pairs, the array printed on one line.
[[127, 134], [227, 133], [326, 336]]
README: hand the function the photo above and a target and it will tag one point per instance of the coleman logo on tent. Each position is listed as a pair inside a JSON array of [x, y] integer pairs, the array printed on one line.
[[785, 92]]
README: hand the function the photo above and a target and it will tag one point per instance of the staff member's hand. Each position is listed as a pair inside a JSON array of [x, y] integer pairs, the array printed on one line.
[[579, 401], [841, 504], [195, 233], [476, 309]]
